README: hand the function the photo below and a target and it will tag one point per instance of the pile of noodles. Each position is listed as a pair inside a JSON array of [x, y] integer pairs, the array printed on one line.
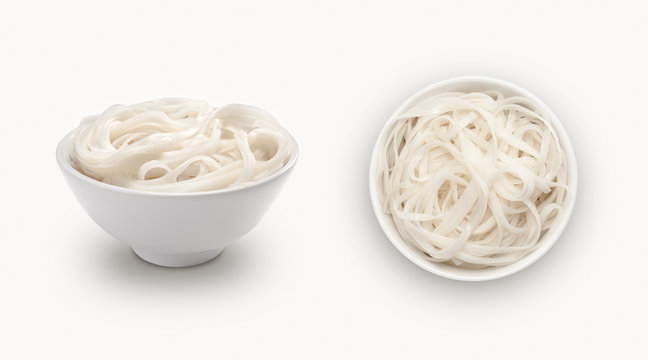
[[180, 145], [473, 179]]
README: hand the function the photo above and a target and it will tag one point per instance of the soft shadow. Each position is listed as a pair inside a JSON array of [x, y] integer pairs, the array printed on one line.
[[550, 267], [115, 262]]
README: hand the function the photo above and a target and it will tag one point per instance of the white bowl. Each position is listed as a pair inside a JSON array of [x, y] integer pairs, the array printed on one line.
[[173, 229], [471, 83]]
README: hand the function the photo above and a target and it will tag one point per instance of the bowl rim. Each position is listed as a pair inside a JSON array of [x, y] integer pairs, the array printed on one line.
[[62, 157], [497, 272]]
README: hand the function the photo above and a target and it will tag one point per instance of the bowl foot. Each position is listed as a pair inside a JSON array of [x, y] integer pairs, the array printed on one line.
[[177, 260]]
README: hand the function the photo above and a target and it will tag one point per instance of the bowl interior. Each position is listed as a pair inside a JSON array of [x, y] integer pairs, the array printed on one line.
[[387, 224]]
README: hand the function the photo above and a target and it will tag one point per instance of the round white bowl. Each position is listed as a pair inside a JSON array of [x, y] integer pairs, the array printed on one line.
[[173, 229], [471, 83]]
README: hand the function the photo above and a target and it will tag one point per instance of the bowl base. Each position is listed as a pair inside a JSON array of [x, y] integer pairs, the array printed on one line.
[[177, 260]]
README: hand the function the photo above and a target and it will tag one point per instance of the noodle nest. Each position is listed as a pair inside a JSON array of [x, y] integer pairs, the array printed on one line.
[[180, 145], [473, 179]]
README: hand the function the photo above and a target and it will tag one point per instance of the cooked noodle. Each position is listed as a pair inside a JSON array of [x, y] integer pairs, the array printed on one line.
[[473, 179], [180, 145]]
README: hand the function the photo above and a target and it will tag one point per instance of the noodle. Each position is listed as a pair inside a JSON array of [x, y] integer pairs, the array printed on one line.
[[473, 179], [180, 145]]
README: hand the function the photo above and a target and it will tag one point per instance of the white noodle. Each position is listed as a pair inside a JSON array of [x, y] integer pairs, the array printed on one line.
[[473, 179], [180, 145]]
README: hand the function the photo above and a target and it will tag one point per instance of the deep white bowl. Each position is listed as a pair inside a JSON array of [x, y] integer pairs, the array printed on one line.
[[173, 229], [472, 83]]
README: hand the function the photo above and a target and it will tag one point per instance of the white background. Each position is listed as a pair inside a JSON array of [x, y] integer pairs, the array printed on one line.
[[317, 278]]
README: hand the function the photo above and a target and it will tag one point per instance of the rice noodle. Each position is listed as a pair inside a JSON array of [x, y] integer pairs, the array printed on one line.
[[473, 179], [180, 145]]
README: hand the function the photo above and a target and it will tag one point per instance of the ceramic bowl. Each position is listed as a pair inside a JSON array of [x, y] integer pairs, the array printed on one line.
[[467, 84], [173, 229]]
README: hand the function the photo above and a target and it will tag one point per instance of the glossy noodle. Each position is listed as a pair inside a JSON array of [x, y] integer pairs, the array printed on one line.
[[473, 179], [180, 145]]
